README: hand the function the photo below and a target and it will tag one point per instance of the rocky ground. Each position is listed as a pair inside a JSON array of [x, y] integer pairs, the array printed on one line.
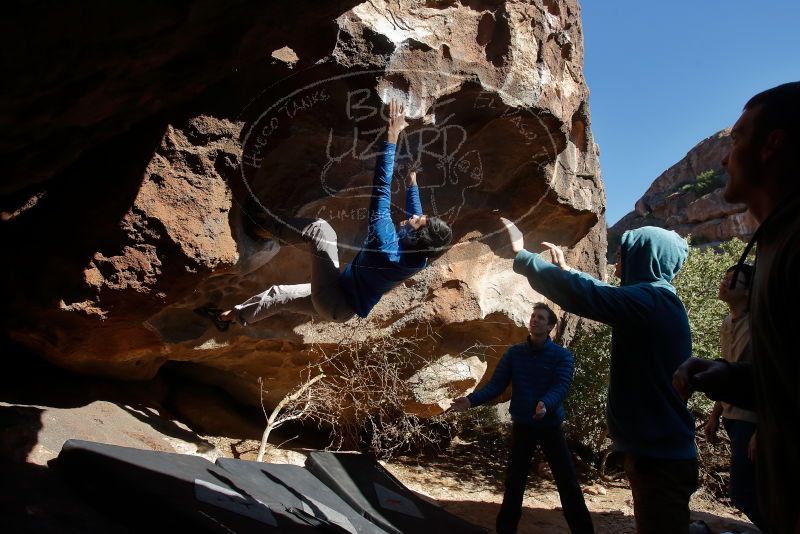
[[466, 479]]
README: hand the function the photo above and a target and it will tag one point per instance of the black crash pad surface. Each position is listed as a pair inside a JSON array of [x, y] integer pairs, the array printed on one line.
[[367, 487], [168, 489], [294, 486]]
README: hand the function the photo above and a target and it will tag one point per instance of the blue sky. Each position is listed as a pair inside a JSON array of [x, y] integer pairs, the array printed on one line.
[[665, 74]]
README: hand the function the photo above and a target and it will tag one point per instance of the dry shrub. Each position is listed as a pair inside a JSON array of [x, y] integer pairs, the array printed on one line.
[[362, 396]]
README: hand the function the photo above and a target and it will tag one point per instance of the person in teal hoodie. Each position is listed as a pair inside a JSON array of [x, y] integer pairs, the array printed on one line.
[[647, 419], [389, 255]]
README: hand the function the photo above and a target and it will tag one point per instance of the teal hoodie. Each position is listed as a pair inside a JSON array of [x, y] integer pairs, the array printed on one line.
[[650, 338]]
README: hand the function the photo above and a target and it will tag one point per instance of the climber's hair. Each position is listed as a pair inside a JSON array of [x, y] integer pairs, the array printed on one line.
[[431, 240]]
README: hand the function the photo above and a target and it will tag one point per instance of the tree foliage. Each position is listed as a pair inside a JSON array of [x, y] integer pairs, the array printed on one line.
[[585, 408], [704, 183]]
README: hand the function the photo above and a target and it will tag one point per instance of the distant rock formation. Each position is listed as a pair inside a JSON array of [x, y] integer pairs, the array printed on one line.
[[679, 201], [132, 149]]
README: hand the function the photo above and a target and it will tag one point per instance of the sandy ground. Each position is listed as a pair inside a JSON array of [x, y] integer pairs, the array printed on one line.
[[612, 512]]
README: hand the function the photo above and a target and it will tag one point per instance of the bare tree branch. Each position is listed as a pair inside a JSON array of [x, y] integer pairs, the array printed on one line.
[[273, 420]]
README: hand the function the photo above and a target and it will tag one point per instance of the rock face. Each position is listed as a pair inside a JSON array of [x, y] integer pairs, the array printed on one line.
[[676, 200], [135, 170]]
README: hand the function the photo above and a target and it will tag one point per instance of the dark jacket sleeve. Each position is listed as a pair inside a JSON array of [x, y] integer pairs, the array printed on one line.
[[381, 232], [557, 392], [413, 204], [497, 384], [735, 385], [581, 294]]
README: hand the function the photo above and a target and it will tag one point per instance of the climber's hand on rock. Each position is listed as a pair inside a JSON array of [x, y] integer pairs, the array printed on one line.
[[413, 169], [397, 120]]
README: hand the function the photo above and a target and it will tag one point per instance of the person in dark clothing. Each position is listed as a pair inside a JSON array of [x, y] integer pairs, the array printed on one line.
[[389, 255], [647, 419], [540, 373], [763, 165]]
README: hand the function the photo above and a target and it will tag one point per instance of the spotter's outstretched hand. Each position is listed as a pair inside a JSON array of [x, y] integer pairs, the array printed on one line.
[[461, 404], [514, 235], [557, 255]]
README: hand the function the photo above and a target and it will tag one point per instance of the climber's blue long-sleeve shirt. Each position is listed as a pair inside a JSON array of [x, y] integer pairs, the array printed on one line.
[[379, 266], [535, 375]]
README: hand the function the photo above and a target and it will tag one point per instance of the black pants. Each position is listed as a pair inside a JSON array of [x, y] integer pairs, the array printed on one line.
[[661, 490], [524, 440]]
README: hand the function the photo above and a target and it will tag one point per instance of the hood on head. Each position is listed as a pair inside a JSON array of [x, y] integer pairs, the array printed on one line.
[[650, 254]]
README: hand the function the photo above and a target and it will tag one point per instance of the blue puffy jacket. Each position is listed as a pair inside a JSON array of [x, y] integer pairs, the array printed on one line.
[[536, 374]]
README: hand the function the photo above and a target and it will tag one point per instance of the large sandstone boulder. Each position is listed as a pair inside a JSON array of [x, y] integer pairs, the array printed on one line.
[[143, 215], [671, 202]]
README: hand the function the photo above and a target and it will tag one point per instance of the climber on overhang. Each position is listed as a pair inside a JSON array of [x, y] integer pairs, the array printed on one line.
[[389, 255]]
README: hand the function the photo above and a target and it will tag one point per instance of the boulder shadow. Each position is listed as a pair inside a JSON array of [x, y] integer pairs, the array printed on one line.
[[32, 497]]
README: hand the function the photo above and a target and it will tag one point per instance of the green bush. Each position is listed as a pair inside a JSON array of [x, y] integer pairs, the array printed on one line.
[[704, 183], [585, 407]]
